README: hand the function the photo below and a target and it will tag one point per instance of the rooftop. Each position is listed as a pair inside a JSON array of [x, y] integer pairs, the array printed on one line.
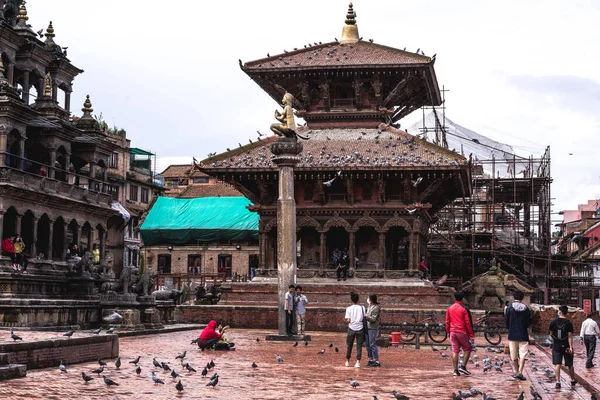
[[209, 190]]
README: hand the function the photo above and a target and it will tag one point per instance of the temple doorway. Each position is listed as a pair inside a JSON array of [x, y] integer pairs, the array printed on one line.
[[397, 246], [308, 247], [367, 248], [337, 238]]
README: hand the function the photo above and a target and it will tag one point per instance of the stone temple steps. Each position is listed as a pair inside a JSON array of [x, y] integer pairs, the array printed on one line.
[[10, 371]]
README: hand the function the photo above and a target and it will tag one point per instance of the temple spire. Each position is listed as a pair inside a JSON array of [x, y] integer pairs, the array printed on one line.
[[50, 34], [350, 31], [22, 17], [48, 85], [87, 107]]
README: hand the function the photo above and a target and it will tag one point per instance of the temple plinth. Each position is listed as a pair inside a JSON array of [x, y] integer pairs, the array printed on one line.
[[286, 152]]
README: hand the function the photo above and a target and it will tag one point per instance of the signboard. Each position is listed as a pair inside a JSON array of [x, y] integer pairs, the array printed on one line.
[[587, 306]]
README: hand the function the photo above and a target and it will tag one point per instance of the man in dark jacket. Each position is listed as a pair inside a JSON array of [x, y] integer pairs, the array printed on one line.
[[518, 319]]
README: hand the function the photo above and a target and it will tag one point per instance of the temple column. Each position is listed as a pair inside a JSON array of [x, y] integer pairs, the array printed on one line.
[[51, 170], [262, 249], [54, 90], [352, 250], [34, 236], [77, 239], [68, 101], [11, 74], [381, 250], [18, 224], [21, 155], [1, 225], [102, 239], [323, 250], [63, 256], [50, 247], [67, 163], [92, 175], [413, 260], [25, 94]]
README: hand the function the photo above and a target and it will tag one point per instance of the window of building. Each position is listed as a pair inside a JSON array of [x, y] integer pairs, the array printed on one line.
[[194, 264], [164, 263], [203, 179], [113, 160], [225, 264], [145, 198], [133, 192], [113, 190], [132, 257]]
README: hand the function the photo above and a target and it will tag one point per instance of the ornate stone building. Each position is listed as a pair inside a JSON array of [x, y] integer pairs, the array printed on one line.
[[362, 183]]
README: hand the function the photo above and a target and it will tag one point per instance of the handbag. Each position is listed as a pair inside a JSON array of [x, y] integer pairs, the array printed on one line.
[[365, 326]]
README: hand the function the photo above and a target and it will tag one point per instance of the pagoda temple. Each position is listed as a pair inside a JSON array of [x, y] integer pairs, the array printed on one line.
[[362, 184]]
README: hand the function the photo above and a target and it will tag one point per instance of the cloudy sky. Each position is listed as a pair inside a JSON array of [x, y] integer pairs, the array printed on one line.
[[523, 72]]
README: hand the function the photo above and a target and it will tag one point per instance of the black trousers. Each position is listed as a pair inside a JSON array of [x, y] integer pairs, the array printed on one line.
[[289, 322], [360, 340], [341, 272], [590, 349]]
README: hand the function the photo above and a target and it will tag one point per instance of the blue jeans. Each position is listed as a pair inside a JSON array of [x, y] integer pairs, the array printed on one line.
[[372, 350]]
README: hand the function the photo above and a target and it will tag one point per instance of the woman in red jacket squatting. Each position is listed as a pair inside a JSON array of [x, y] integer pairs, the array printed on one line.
[[212, 337], [460, 327]]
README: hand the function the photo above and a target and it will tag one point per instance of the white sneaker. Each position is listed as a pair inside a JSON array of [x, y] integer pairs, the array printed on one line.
[[347, 363], [357, 365]]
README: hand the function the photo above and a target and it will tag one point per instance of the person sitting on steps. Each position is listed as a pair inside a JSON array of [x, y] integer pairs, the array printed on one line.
[[342, 267]]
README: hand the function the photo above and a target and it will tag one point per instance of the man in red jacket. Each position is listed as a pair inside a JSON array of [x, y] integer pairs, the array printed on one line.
[[460, 328], [8, 249]]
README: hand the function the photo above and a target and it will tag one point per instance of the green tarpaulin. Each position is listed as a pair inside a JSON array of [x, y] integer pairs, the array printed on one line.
[[208, 219]]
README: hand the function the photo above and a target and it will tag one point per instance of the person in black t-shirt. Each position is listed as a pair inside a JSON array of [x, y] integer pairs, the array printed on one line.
[[561, 330]]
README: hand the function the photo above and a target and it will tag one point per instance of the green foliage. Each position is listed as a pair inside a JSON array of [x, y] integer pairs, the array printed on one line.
[[114, 130]]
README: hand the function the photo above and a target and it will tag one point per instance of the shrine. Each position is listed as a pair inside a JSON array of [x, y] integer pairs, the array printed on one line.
[[363, 185]]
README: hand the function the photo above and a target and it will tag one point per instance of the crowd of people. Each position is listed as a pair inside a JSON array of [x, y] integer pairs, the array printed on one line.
[[14, 247]]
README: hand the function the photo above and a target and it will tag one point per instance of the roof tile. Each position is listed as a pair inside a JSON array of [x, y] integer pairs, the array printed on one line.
[[218, 189]]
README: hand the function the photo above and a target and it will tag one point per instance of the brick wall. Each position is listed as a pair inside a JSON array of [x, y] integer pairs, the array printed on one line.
[[543, 317], [48, 353]]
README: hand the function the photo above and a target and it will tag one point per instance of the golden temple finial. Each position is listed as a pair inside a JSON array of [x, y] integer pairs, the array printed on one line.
[[350, 31], [49, 33], [48, 85], [87, 106], [22, 12]]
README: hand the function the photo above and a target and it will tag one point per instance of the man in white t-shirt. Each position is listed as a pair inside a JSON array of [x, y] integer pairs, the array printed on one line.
[[354, 318]]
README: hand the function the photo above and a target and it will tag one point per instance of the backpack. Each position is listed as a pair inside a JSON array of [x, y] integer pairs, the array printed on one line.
[[561, 330]]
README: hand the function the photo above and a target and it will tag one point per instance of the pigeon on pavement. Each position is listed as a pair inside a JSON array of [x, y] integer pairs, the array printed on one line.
[[69, 334], [464, 395], [330, 345], [62, 367], [98, 370], [474, 391], [305, 343], [295, 344], [353, 383], [521, 396], [321, 352], [182, 355], [189, 367], [101, 362], [194, 341], [156, 363], [14, 337], [534, 393], [109, 382], [278, 358], [156, 379], [254, 365], [179, 386], [138, 370], [136, 361], [486, 397], [165, 366], [118, 362], [85, 377], [257, 340], [97, 331], [212, 363], [337, 350], [399, 396], [204, 372], [455, 396], [174, 374], [213, 382], [213, 377]]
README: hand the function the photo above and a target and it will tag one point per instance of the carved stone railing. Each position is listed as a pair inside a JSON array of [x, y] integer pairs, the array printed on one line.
[[306, 273]]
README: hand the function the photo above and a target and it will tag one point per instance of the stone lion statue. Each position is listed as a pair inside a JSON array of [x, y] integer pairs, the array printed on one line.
[[144, 283], [126, 281]]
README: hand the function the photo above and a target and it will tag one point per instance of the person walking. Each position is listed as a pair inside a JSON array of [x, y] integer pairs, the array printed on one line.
[[354, 318], [373, 317], [289, 310], [589, 332], [301, 302], [561, 330], [460, 328], [517, 319]]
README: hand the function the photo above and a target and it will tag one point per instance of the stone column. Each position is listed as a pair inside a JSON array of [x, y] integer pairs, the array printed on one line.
[[34, 236], [286, 157], [68, 101], [77, 239], [412, 245], [21, 155], [51, 171], [262, 249], [54, 90], [92, 177], [63, 256], [50, 247], [25, 95], [102, 239], [323, 250], [11, 74], [4, 146], [381, 250], [351, 249], [18, 224]]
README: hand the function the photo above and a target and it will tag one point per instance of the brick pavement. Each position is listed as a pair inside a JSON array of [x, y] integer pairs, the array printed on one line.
[[419, 374]]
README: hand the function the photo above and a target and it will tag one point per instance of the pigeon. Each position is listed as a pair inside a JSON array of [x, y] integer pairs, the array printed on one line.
[[174, 374], [204, 372], [278, 358], [330, 345], [109, 382], [534, 367], [254, 365], [136, 361], [444, 348], [138, 370], [195, 341], [98, 370], [329, 182], [165, 366], [295, 344], [111, 330], [101, 362], [179, 387], [257, 340], [118, 362], [156, 363], [444, 355], [353, 383], [399, 396], [182, 355], [497, 368], [433, 348], [69, 334], [213, 382], [40, 33], [305, 343], [521, 396], [189, 367], [416, 182], [337, 350], [14, 337], [85, 377], [464, 395], [97, 331], [212, 364], [486, 397], [474, 391], [113, 318], [214, 376], [62, 367], [455, 396], [534, 393], [321, 352], [156, 379]]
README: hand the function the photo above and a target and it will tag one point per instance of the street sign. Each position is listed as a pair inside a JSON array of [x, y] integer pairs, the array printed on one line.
[[587, 306]]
